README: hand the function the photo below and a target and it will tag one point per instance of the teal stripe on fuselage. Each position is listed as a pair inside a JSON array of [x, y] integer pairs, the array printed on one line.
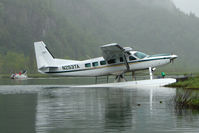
[[144, 60]]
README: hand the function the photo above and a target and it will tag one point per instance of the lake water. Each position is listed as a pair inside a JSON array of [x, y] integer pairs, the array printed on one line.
[[52, 106]]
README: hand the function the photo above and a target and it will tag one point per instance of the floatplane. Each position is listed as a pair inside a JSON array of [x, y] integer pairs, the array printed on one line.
[[116, 60]]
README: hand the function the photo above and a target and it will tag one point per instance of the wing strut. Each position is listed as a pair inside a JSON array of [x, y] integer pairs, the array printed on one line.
[[124, 52], [126, 63]]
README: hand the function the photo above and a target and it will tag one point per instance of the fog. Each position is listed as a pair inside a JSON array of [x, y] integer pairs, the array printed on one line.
[[188, 6], [75, 29]]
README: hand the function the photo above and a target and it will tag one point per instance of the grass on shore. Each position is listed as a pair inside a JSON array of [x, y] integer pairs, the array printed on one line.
[[186, 98], [190, 83]]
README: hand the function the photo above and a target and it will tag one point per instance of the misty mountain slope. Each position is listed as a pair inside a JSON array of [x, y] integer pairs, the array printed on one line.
[[150, 25], [25, 21], [76, 28]]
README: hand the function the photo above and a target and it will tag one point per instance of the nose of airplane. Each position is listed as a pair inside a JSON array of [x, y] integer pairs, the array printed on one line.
[[173, 57]]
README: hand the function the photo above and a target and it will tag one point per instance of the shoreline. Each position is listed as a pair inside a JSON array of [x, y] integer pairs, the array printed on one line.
[[189, 83], [187, 94]]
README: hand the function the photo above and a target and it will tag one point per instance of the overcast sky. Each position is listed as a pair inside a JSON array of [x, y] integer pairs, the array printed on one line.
[[188, 6]]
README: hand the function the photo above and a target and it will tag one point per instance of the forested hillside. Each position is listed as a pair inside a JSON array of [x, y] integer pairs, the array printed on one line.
[[76, 28]]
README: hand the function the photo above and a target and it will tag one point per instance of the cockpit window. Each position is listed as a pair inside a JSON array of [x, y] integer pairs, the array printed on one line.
[[140, 55], [132, 58]]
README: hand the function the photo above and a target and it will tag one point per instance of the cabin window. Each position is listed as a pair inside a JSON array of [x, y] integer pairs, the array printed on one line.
[[88, 65], [103, 62], [111, 61], [121, 59], [132, 58], [95, 64]]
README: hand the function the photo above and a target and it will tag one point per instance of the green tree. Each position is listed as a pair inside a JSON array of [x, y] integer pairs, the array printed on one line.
[[1, 9], [1, 63], [13, 62]]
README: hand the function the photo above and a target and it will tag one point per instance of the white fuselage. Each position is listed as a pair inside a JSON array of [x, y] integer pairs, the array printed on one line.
[[100, 67]]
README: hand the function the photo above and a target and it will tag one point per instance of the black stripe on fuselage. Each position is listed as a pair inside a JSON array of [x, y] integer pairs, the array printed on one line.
[[131, 62]]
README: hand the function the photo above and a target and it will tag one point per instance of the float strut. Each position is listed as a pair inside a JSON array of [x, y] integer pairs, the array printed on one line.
[[120, 78], [133, 75], [151, 73], [95, 80]]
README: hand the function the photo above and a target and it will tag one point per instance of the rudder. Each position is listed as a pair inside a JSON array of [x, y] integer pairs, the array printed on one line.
[[43, 57]]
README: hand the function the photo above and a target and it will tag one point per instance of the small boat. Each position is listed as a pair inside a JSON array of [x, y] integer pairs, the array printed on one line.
[[20, 75]]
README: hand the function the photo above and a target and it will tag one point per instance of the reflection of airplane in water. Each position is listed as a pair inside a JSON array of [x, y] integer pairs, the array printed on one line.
[[116, 60], [109, 108]]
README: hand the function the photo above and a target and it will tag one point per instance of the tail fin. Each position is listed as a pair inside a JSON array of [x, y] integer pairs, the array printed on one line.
[[43, 57]]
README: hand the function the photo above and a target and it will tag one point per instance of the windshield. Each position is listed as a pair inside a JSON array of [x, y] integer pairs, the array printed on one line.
[[140, 55]]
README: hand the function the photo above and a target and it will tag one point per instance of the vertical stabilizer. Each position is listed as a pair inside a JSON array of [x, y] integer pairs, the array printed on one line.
[[43, 57]]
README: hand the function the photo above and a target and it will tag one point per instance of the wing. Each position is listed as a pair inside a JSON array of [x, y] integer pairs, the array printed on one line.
[[114, 50]]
